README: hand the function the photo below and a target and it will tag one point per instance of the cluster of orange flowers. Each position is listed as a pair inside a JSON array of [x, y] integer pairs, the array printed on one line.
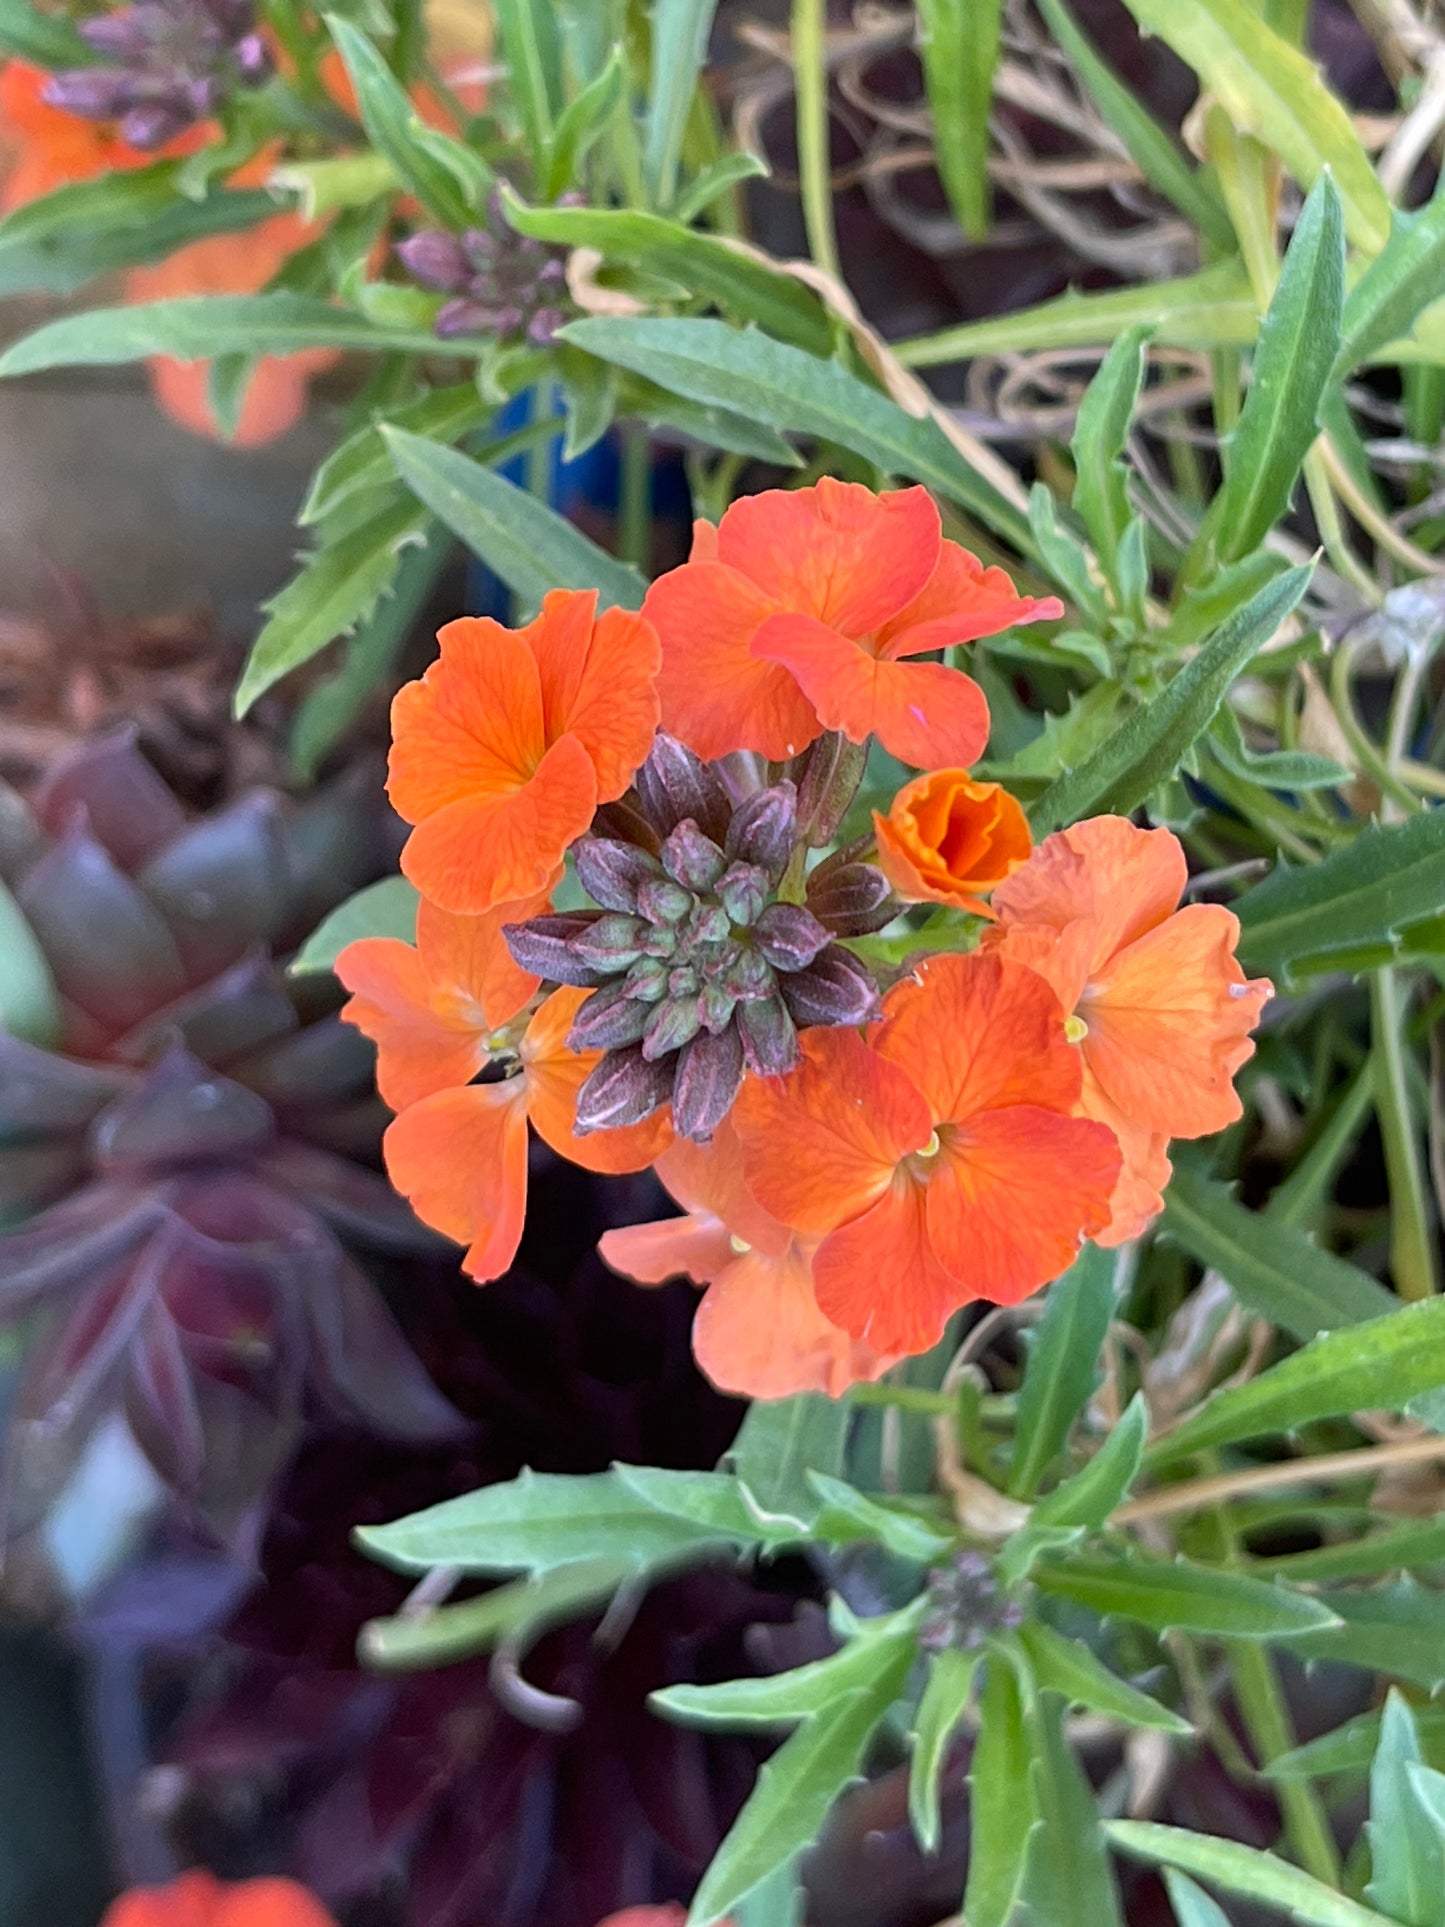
[[198, 1899], [857, 1150]]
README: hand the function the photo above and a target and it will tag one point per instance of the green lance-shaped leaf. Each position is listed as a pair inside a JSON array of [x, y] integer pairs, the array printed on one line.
[[1275, 769], [780, 1442], [1091, 1495], [1180, 1595], [336, 588], [1396, 1630], [959, 45], [1365, 893], [392, 124], [1350, 1749], [532, 47], [849, 1517], [1377, 1366], [45, 39], [1407, 1878], [1246, 1871], [944, 1702], [528, 544], [1192, 1906], [1067, 1875], [384, 909], [713, 1500], [797, 393], [1151, 145], [200, 327], [680, 30], [1106, 413], [1069, 1667], [1299, 340], [1408, 1547], [522, 1610], [1404, 279], [1149, 745], [703, 263], [1273, 1269], [536, 1522], [1271, 90], [1003, 1806], [786, 1809], [1063, 1366], [583, 121]]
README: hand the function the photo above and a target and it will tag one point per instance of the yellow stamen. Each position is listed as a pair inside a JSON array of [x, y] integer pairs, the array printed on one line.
[[1075, 1029], [932, 1148], [738, 1246]]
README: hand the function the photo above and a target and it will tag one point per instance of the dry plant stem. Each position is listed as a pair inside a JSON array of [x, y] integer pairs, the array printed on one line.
[[1328, 1469], [1369, 517], [810, 78], [1307, 1827]]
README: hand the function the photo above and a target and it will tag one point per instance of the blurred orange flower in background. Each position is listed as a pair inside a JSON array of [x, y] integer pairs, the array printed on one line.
[[198, 1899], [948, 839], [44, 147], [1161, 1011], [503, 750]]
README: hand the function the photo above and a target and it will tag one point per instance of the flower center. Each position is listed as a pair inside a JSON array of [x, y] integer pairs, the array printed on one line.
[[1075, 1029]]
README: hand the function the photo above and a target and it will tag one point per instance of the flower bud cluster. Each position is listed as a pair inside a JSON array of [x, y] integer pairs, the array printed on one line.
[[501, 282], [171, 63], [700, 966], [966, 1604]]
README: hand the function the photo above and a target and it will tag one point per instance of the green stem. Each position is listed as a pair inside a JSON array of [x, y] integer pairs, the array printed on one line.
[[539, 456], [1306, 1825], [810, 82], [634, 534], [1412, 1245]]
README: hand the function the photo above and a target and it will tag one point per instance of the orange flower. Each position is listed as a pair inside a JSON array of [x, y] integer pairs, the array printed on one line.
[[459, 1156], [198, 1899], [758, 1331], [792, 617], [46, 147], [503, 750], [436, 1010], [1160, 1007], [937, 1162], [948, 839], [669, 1916]]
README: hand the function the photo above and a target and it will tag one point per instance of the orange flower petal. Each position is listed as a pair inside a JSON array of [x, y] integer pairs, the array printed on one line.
[[493, 847], [1015, 1193], [760, 1333], [1118, 878], [270, 1903], [878, 1277], [976, 1033], [704, 541], [275, 399], [418, 1050], [198, 1899], [711, 1177], [1138, 1196], [1169, 1019], [598, 680], [921, 712], [947, 838], [471, 727], [836, 551], [961, 601], [821, 1144], [696, 1245], [555, 1074], [1060, 957], [715, 695], [467, 961], [460, 1161]]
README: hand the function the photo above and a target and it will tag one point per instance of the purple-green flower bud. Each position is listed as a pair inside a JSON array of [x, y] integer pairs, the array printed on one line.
[[709, 1071], [608, 1020], [94, 93], [769, 1036], [665, 901], [743, 891], [748, 975], [543, 945], [789, 936], [670, 1026], [612, 872], [646, 981], [435, 260], [830, 780], [692, 859], [836, 988], [708, 924], [852, 899], [764, 829], [673, 785], [623, 1089], [683, 982], [715, 1007], [611, 944], [660, 941]]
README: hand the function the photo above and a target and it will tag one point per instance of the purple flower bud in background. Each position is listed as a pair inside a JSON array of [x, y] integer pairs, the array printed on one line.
[[692, 859], [123, 36], [465, 317], [789, 936], [609, 1020], [623, 1089], [831, 773], [764, 829], [851, 899], [836, 988], [94, 93], [612, 872], [769, 1036], [150, 127], [543, 946], [253, 60], [435, 260], [612, 943], [674, 784], [709, 1071]]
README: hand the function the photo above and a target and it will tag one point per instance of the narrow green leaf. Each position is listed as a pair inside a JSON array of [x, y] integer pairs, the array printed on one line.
[[944, 1702], [534, 1523], [392, 124], [337, 587], [1150, 144], [1069, 1667], [1067, 1875], [1412, 1546], [748, 373], [1376, 1366], [1350, 1748], [1397, 1630], [704, 188], [1101, 431], [781, 1441], [1363, 893], [1273, 1269], [200, 327], [384, 909], [714, 1500], [680, 30], [706, 264], [1192, 1906], [582, 121], [1181, 1595], [777, 1901], [1003, 1798], [1256, 1876], [339, 181], [1149, 744], [1091, 1495], [45, 39], [532, 46], [849, 1516], [715, 427], [1271, 90], [1063, 1366], [1277, 769], [1402, 281], [959, 45], [29, 1000], [528, 544], [524, 1609], [1299, 340], [786, 1809], [1407, 1877]]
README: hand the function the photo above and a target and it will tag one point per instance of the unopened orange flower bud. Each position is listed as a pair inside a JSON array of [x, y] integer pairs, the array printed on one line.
[[949, 839]]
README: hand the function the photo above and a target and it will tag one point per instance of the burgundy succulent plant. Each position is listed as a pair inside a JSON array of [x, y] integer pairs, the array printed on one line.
[[177, 1155]]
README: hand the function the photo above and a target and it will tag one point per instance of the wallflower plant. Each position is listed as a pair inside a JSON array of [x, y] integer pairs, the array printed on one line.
[[993, 885]]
